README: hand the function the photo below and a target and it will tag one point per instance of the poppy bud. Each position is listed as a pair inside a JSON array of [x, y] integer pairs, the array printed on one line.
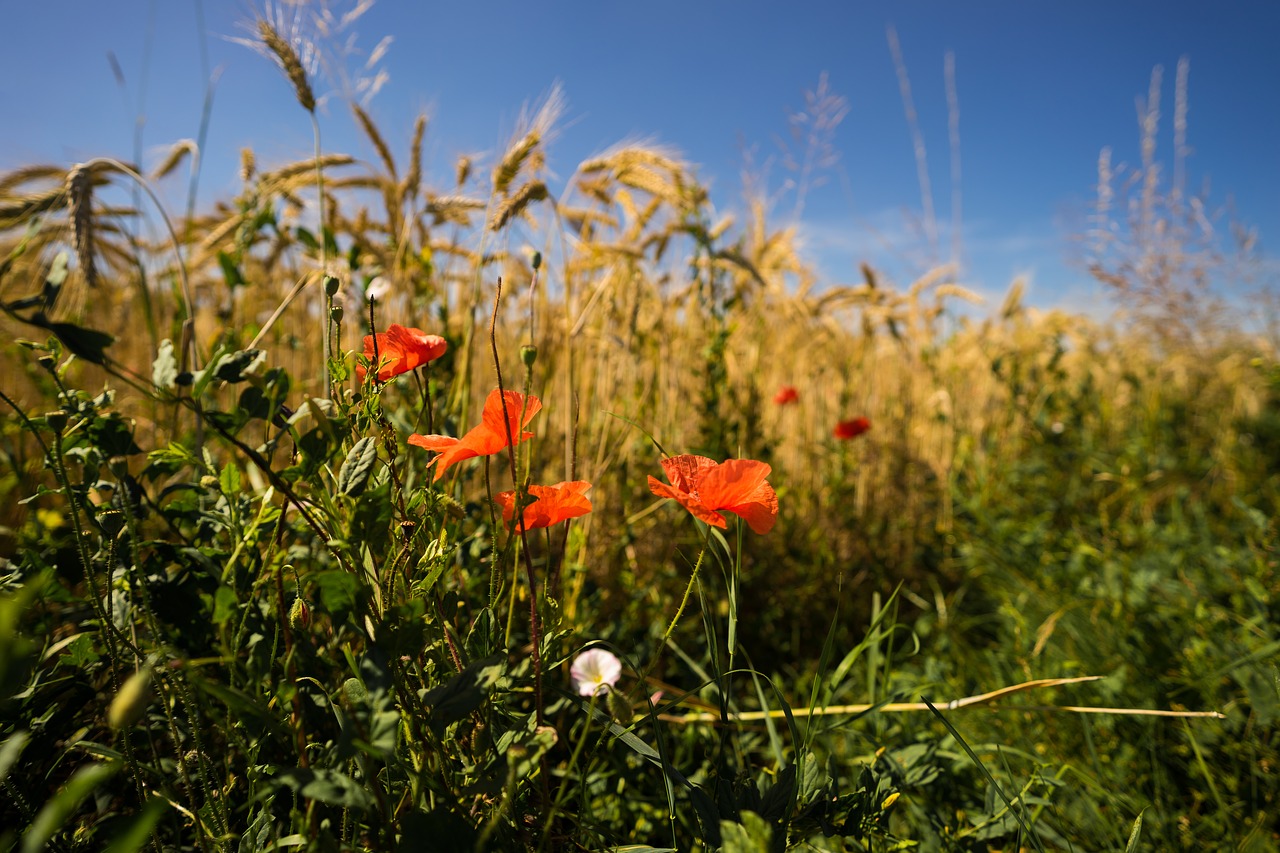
[[57, 420], [619, 707], [537, 260], [132, 700], [299, 614], [119, 466], [335, 313], [48, 362], [330, 285], [528, 355], [112, 522]]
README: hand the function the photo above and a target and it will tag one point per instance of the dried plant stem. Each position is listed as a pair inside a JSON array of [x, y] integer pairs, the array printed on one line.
[[955, 704]]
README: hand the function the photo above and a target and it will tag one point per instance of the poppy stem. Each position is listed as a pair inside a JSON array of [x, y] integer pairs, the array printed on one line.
[[519, 499], [688, 590]]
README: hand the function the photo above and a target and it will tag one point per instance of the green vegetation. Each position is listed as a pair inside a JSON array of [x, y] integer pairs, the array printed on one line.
[[242, 610]]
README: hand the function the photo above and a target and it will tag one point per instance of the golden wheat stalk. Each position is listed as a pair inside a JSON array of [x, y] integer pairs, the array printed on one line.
[[513, 206], [80, 211], [180, 150], [290, 62], [379, 144]]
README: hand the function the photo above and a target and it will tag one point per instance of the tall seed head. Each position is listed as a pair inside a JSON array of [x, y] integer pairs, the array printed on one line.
[[290, 62]]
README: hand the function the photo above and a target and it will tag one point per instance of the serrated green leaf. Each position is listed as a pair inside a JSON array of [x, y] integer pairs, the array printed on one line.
[[356, 470]]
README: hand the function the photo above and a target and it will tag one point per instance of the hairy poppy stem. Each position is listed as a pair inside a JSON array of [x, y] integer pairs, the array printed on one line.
[[524, 541], [688, 590]]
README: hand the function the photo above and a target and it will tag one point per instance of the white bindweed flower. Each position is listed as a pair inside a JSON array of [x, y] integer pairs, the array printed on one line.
[[595, 670], [378, 288]]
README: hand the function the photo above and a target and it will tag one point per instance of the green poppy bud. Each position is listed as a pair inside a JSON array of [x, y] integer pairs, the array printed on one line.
[[528, 355], [330, 285], [132, 700]]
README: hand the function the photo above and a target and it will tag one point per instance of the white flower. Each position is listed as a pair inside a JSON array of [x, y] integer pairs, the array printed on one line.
[[595, 670], [378, 288]]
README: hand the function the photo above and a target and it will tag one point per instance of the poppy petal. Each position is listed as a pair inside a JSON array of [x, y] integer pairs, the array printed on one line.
[[689, 502]]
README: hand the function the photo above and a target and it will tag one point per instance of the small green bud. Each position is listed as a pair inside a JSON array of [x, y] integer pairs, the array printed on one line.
[[208, 481], [57, 420], [48, 362], [330, 285], [537, 260], [335, 313], [528, 355], [132, 700]]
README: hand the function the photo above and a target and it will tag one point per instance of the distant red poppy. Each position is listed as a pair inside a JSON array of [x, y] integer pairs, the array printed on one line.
[[487, 438], [399, 350], [846, 430], [552, 504], [704, 486], [786, 395]]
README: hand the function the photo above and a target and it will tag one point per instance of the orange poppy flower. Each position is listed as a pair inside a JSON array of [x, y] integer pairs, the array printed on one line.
[[846, 430], [704, 486], [487, 438], [786, 395], [400, 349], [551, 505]]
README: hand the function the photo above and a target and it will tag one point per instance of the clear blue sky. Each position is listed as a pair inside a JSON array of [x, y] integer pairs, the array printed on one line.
[[1042, 88]]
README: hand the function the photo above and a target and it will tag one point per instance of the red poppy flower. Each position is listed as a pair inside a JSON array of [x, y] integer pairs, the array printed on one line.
[[552, 504], [786, 395], [846, 430], [704, 486], [487, 438], [400, 350]]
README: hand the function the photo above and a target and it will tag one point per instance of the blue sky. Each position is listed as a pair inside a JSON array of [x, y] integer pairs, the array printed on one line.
[[1042, 87]]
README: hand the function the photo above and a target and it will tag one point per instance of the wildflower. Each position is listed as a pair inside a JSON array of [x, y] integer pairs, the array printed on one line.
[[490, 436], [846, 430], [551, 504], [786, 395], [595, 670], [704, 486], [400, 350], [378, 288]]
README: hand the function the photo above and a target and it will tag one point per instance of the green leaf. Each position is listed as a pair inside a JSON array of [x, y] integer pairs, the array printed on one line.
[[229, 479], [464, 693], [138, 832], [326, 786], [1135, 834], [230, 271], [357, 468], [88, 344], [10, 750], [753, 835], [164, 370], [339, 592], [57, 812], [234, 367]]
